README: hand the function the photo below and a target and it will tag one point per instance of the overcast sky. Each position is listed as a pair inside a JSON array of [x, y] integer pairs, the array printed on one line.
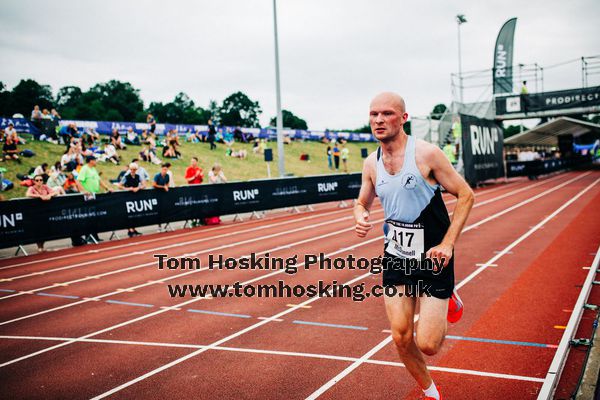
[[335, 55]]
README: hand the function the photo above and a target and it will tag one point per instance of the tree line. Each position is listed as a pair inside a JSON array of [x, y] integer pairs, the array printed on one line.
[[120, 101]]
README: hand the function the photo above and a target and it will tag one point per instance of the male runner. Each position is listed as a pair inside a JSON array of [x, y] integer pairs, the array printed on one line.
[[406, 174]]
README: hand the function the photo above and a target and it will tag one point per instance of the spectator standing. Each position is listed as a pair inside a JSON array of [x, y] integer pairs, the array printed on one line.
[[170, 173], [336, 156], [329, 157], [88, 179], [40, 191], [151, 121], [55, 115], [141, 171], [212, 133], [216, 175], [344, 155], [161, 179], [193, 173], [132, 182]]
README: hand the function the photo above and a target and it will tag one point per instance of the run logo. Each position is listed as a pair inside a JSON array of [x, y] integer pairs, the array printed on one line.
[[500, 62], [136, 206], [246, 194], [327, 187], [10, 220], [483, 140]]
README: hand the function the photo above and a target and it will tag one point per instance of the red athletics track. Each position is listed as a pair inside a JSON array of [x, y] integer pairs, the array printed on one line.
[[539, 235]]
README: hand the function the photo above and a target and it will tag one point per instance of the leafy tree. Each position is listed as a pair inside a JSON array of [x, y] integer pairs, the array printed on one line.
[[214, 112], [437, 111], [5, 100], [290, 120], [239, 110], [181, 110], [68, 96], [118, 96], [27, 94]]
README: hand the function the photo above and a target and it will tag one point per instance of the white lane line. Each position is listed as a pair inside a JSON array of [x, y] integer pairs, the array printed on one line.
[[250, 328], [388, 339], [277, 353], [141, 242], [170, 246], [226, 246], [232, 226], [150, 283], [255, 239]]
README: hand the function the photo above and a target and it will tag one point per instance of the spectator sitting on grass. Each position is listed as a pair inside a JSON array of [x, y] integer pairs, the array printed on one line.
[[216, 175], [115, 140], [237, 154], [57, 178], [10, 150], [132, 137], [132, 181], [42, 170], [9, 131], [161, 179], [110, 154], [170, 152], [70, 184], [68, 161], [193, 173], [121, 174], [40, 191], [36, 116]]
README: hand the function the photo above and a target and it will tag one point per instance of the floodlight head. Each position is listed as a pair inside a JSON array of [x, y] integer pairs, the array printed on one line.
[[461, 19]]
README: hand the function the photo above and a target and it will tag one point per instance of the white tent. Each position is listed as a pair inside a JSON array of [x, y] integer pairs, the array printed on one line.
[[547, 133]]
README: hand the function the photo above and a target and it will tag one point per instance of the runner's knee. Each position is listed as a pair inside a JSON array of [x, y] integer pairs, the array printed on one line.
[[428, 345], [402, 338]]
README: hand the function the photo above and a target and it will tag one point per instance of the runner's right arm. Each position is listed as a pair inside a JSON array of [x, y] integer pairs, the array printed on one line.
[[365, 198]]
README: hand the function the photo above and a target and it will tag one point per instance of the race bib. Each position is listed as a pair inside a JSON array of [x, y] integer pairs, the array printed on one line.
[[405, 240]]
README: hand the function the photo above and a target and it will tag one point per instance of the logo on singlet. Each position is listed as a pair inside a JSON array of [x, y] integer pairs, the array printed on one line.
[[409, 181]]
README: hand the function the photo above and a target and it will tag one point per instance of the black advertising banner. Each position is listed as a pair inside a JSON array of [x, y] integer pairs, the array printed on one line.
[[30, 220], [548, 101], [483, 144], [503, 58]]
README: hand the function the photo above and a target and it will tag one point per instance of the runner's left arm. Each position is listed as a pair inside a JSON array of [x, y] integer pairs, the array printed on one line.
[[453, 182]]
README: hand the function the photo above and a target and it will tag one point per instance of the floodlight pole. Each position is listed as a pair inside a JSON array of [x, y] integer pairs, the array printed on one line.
[[460, 19], [280, 155]]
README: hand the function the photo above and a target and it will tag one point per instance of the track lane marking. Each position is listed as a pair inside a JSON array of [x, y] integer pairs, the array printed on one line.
[[276, 352], [388, 339]]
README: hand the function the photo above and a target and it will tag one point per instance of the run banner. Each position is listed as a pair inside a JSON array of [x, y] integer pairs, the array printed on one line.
[[503, 58], [587, 99], [33, 220], [483, 144]]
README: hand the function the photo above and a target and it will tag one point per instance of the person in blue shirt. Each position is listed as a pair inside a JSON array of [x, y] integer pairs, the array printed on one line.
[[161, 179]]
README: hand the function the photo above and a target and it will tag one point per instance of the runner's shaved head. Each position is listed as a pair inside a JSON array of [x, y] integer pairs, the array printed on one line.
[[389, 99]]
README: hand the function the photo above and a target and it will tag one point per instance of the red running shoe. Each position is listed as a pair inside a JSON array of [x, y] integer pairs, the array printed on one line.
[[455, 308]]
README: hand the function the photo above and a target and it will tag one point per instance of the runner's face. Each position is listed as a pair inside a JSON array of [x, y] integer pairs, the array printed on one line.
[[386, 119]]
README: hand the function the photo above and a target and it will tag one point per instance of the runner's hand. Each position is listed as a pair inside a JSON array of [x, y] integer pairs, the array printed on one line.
[[363, 226], [441, 251]]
